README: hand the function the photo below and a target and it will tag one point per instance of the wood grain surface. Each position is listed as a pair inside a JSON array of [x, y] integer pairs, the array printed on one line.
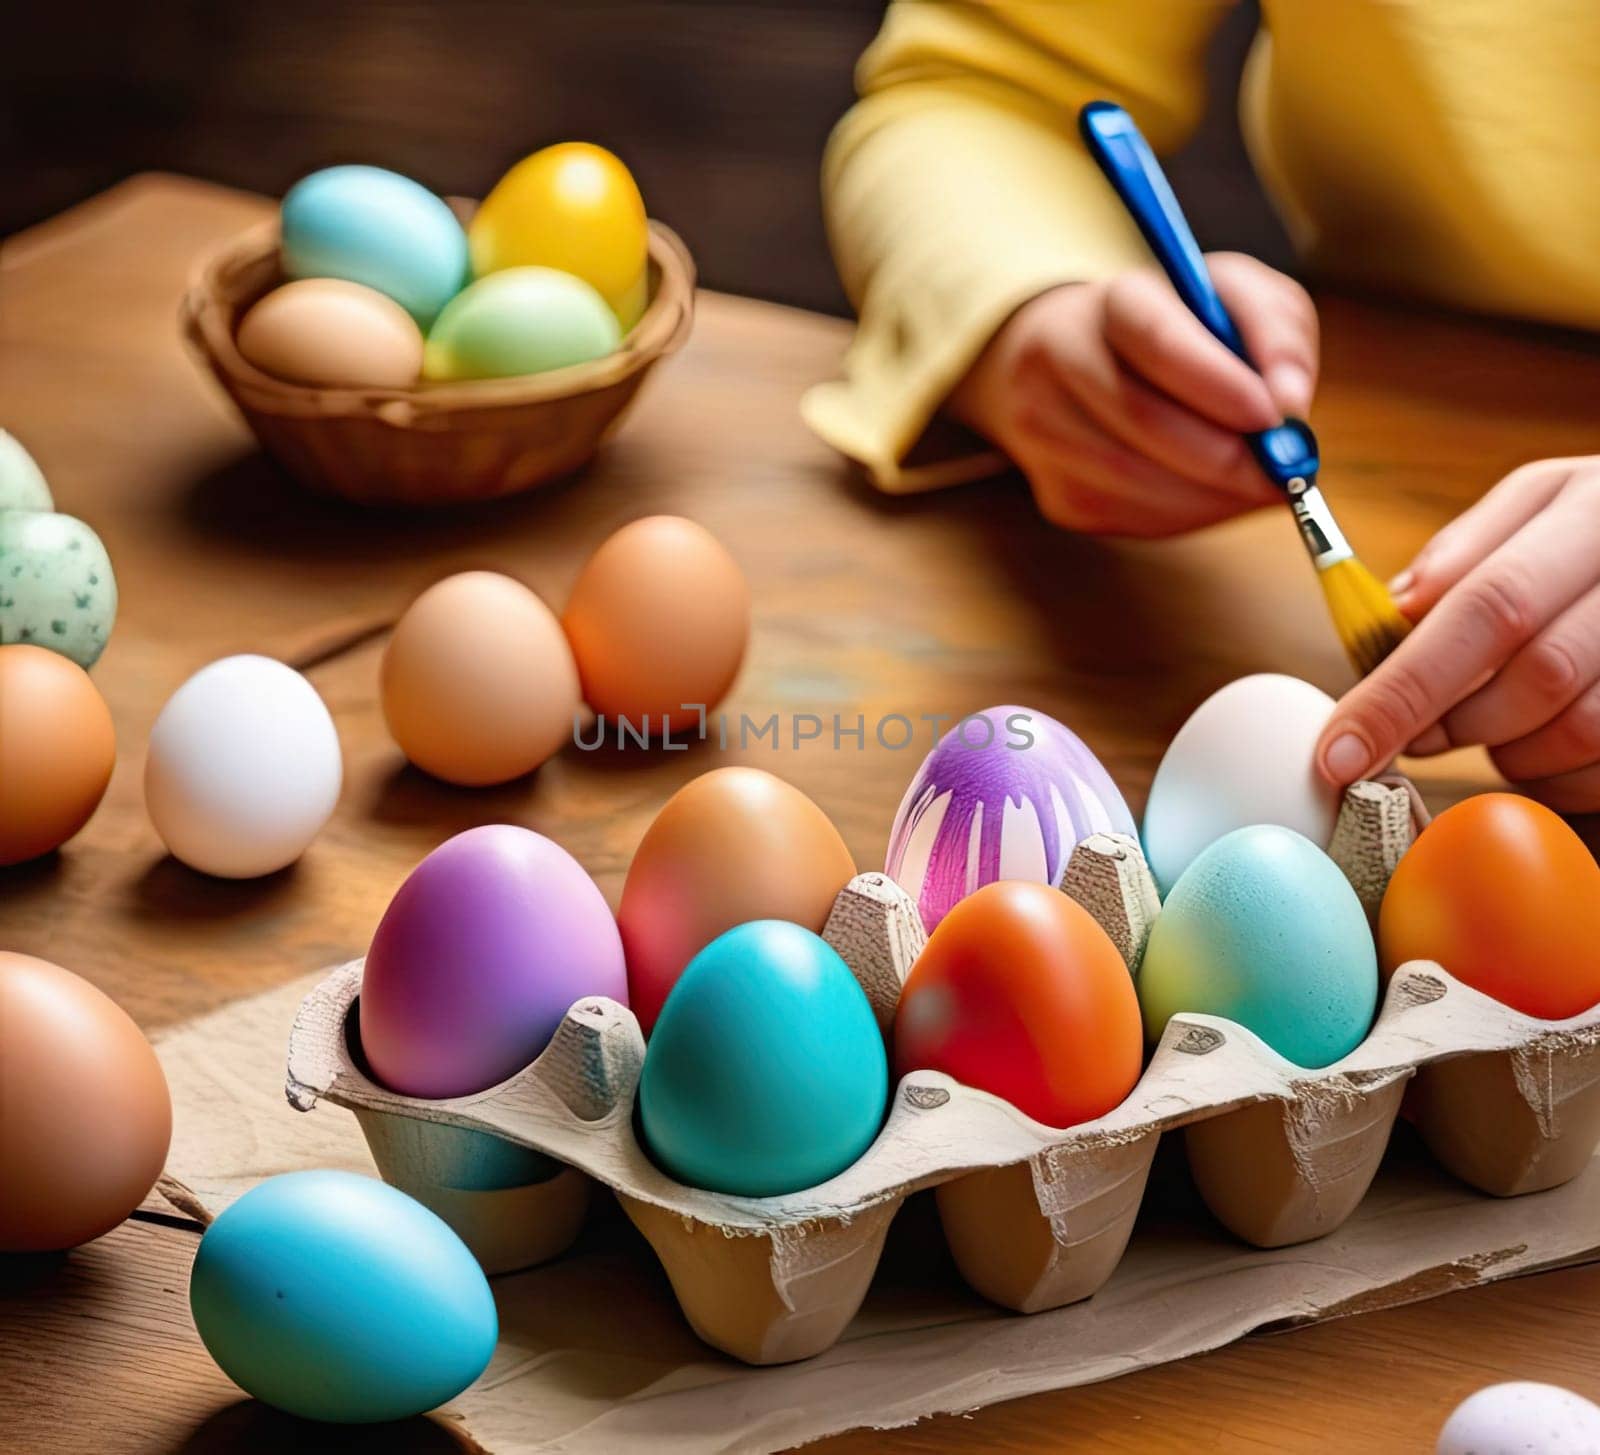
[[865, 606], [97, 1354]]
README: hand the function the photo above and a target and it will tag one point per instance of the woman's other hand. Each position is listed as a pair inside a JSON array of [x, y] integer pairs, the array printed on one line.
[[1506, 652], [1126, 414]]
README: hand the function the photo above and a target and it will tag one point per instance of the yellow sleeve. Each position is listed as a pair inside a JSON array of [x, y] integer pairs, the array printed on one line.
[[956, 189]]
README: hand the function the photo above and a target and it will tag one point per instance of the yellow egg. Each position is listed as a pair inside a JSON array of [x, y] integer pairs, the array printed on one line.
[[575, 207], [332, 333]]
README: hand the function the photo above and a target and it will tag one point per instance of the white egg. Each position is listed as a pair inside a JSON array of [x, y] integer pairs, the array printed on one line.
[[1522, 1418], [1245, 756], [243, 768]]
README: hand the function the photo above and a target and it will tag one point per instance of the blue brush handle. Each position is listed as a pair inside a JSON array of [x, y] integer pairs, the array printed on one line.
[[1286, 452]]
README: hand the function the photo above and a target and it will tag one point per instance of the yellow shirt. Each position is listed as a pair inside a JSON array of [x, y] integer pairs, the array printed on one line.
[[1448, 149]]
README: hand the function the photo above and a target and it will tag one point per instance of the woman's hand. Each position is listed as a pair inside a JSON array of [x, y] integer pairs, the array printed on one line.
[[1122, 410], [1507, 647]]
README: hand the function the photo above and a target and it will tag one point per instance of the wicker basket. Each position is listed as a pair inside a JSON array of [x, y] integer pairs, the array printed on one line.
[[435, 444]]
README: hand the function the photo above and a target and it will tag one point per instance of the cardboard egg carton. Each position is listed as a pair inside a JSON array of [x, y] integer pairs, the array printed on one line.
[[1035, 1216]]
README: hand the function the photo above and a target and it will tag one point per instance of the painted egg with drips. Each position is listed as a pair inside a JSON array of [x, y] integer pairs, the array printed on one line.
[[1008, 793]]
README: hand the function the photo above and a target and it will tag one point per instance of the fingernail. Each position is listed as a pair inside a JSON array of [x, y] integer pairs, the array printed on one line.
[[1346, 758], [1290, 386], [1402, 584]]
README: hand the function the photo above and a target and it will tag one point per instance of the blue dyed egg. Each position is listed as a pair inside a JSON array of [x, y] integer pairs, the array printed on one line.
[[1008, 793], [766, 1072], [1264, 928], [378, 228], [336, 1297]]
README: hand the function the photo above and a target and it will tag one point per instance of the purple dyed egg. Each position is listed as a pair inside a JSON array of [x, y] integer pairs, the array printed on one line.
[[479, 956], [1008, 793]]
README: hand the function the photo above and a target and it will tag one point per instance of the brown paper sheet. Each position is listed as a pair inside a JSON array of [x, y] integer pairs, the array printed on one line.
[[594, 1355]]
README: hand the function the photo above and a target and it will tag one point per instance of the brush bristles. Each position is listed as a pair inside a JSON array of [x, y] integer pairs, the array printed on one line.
[[1364, 614]]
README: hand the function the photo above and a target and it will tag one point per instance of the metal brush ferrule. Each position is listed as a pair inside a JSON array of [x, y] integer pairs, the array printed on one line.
[[1325, 542]]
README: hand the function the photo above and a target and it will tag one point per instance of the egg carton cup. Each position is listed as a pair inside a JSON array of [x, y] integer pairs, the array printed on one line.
[[431, 444], [1035, 1216]]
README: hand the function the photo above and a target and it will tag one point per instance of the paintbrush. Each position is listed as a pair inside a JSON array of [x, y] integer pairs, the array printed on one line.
[[1364, 614]]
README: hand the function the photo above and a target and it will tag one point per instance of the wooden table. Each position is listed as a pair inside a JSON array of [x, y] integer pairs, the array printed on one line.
[[862, 605]]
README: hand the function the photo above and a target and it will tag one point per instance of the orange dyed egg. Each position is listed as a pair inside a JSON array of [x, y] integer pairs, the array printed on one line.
[[57, 750], [1019, 992], [731, 846], [1506, 897], [658, 622]]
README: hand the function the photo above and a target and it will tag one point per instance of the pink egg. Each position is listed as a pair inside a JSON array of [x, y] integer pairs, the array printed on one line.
[[485, 948]]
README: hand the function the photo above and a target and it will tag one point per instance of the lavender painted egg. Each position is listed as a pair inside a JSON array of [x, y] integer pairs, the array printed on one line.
[[479, 956], [1008, 793]]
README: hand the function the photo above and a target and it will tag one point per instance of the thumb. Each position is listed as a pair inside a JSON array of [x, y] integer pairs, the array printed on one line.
[[1405, 694], [1278, 322]]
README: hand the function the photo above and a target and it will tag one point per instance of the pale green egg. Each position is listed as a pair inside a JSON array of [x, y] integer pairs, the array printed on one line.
[[22, 483], [519, 321], [1264, 929], [57, 589]]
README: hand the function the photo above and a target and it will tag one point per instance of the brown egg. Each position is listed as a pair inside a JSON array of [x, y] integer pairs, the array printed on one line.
[[659, 617], [87, 1113], [730, 846], [57, 749], [478, 684], [327, 332]]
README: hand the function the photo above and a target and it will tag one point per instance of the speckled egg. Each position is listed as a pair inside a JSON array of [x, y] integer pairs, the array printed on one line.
[[1522, 1418], [1007, 793], [22, 482], [1264, 929], [57, 589]]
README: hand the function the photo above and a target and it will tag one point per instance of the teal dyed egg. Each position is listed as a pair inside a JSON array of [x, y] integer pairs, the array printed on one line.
[[57, 589], [520, 321], [336, 1297], [378, 228], [765, 1072], [22, 482], [1264, 928]]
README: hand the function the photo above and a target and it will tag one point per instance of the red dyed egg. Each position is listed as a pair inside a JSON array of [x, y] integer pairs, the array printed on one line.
[[1019, 992]]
